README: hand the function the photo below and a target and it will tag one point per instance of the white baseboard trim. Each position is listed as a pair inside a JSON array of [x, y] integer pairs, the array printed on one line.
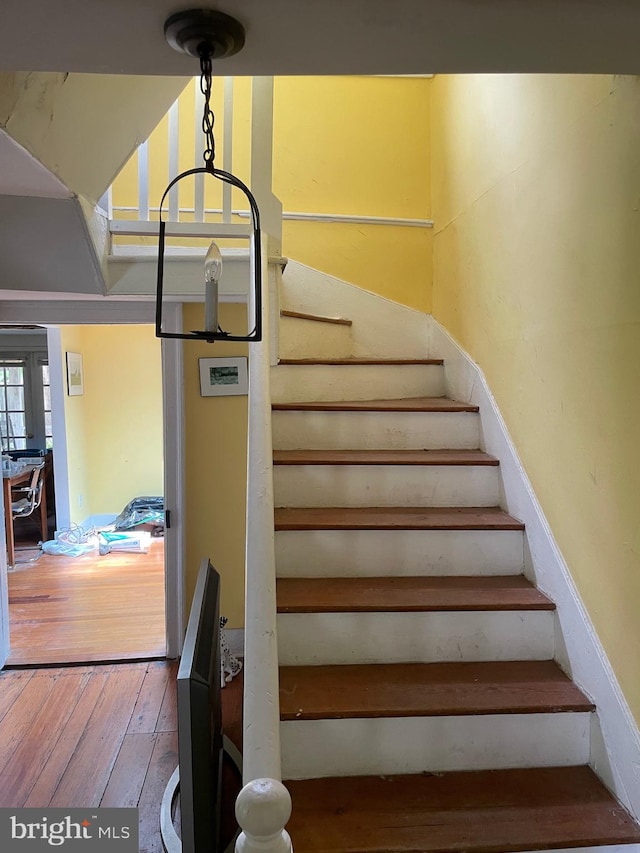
[[235, 638], [615, 738], [100, 520], [92, 521]]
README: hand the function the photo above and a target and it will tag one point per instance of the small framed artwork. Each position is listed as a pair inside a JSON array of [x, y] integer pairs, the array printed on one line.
[[223, 377], [75, 374]]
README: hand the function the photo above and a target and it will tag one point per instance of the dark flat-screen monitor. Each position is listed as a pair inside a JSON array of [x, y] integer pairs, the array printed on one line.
[[200, 719], [202, 747], [200, 741]]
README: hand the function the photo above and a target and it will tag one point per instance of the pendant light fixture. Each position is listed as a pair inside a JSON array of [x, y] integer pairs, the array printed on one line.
[[207, 34]]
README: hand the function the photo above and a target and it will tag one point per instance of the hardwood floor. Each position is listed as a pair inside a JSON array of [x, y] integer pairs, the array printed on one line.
[[106, 735], [88, 609]]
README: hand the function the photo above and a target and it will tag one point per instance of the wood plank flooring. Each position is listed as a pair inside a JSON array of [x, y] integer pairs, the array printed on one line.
[[394, 518], [351, 361], [491, 811], [427, 689], [383, 457], [103, 735], [88, 609], [408, 404], [408, 594]]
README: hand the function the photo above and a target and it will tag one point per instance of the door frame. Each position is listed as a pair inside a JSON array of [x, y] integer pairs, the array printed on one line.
[[107, 311]]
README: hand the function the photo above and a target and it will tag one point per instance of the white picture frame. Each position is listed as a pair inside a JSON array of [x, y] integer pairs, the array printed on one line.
[[223, 377], [75, 374]]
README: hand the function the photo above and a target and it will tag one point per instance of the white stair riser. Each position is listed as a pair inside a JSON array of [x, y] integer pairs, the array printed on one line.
[[386, 485], [322, 382], [359, 747], [375, 430], [363, 638], [366, 553], [311, 339]]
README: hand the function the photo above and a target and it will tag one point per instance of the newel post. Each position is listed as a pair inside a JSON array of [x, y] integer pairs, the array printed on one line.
[[263, 809]]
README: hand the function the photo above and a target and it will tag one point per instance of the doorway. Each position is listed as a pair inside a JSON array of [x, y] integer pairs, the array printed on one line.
[[78, 602], [141, 583]]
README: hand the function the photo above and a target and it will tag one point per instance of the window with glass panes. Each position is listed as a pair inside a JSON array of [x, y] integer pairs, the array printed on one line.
[[46, 393], [25, 401], [13, 419]]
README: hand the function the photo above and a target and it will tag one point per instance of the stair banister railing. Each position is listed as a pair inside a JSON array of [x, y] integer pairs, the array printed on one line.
[[263, 807]]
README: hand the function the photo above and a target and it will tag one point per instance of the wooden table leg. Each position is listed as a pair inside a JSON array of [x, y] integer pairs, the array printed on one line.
[[8, 522]]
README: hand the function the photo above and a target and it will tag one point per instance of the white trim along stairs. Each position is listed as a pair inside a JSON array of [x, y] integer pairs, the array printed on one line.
[[426, 696]]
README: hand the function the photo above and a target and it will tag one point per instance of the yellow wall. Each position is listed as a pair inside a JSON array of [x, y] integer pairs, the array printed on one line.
[[342, 145], [356, 145], [216, 467], [114, 430], [536, 259], [78, 456]]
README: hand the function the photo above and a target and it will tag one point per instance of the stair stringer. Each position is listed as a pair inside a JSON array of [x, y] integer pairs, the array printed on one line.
[[615, 738], [383, 329]]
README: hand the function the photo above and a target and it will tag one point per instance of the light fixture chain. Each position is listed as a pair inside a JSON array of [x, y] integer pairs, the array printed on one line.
[[208, 118]]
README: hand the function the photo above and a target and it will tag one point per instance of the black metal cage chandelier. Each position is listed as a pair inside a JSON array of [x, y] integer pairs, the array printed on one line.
[[207, 35]]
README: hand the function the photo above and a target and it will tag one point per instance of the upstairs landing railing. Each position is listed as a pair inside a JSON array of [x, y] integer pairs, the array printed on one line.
[[141, 219]]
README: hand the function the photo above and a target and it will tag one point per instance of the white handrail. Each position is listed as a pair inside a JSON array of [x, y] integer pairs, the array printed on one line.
[[263, 806]]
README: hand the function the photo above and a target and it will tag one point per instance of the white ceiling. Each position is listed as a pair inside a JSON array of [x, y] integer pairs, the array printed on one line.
[[331, 36]]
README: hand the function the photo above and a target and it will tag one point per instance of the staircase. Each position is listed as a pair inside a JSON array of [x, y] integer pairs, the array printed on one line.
[[421, 706]]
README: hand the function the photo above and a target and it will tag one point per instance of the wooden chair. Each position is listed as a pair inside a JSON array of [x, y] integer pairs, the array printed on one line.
[[28, 498]]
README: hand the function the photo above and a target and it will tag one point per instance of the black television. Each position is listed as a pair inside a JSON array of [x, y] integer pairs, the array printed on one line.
[[201, 744]]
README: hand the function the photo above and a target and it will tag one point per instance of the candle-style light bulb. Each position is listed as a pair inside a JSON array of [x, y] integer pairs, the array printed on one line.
[[212, 275]]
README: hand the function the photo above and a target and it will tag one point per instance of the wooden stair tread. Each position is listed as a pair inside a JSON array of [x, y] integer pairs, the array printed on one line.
[[383, 457], [490, 811], [408, 594], [394, 518], [427, 689], [359, 361], [301, 315], [408, 404]]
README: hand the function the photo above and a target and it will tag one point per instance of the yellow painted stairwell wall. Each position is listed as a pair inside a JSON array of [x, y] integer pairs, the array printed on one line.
[[355, 145], [216, 467], [536, 192]]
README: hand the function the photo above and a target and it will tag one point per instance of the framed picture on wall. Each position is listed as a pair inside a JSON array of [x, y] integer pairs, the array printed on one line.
[[75, 374], [223, 377]]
